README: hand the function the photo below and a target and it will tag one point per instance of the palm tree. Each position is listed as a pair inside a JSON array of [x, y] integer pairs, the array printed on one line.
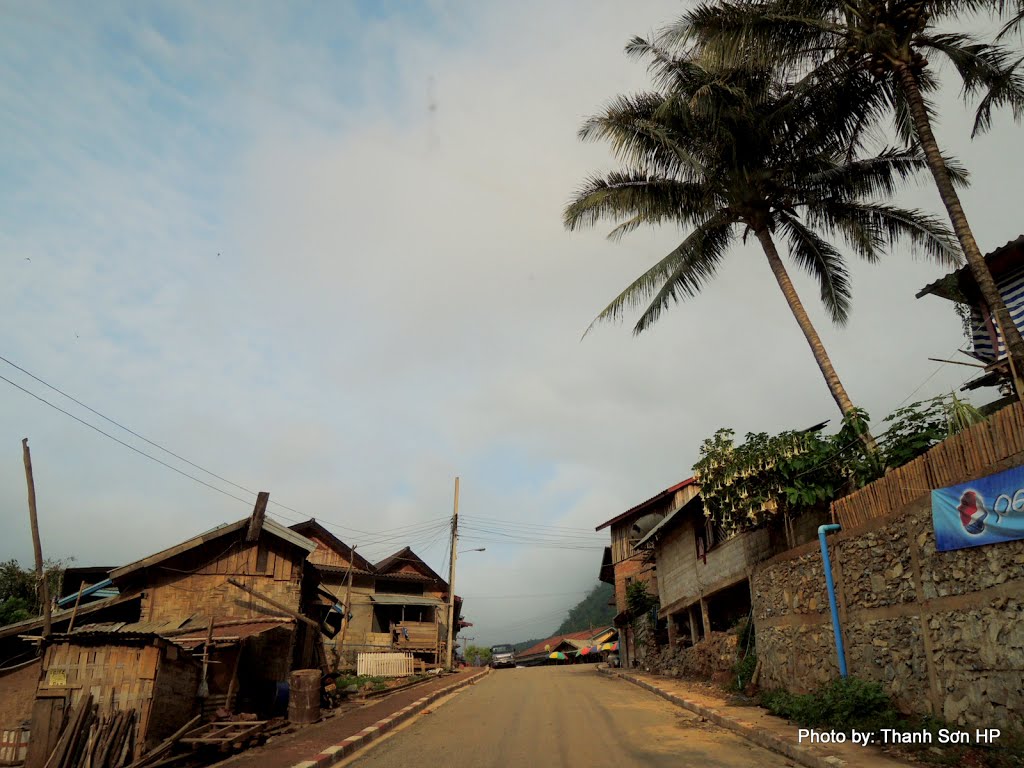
[[891, 40], [729, 152]]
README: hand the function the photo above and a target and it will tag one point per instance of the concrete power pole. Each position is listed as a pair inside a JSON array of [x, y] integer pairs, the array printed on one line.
[[451, 579]]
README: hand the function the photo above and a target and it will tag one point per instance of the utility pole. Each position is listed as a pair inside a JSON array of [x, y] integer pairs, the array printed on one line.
[[43, 587], [346, 606], [451, 579]]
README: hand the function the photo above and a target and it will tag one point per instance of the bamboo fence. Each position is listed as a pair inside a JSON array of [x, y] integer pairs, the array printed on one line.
[[962, 457], [385, 664]]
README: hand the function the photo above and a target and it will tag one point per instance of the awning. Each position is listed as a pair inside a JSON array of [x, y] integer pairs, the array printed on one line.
[[227, 633], [407, 600]]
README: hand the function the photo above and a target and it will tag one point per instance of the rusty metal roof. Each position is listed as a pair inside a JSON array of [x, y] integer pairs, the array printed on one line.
[[956, 286], [196, 635], [187, 633]]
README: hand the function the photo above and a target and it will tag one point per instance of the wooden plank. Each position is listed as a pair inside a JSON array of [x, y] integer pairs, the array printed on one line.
[[259, 512], [148, 662]]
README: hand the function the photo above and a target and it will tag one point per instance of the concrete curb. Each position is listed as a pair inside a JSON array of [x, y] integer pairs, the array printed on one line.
[[762, 738], [338, 752]]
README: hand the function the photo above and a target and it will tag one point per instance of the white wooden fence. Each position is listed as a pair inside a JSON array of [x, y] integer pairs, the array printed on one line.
[[385, 664]]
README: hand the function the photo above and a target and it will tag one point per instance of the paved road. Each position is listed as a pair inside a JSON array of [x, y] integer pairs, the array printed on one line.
[[562, 716]]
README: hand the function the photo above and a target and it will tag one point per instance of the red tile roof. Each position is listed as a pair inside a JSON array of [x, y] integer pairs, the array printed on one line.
[[645, 504], [556, 640]]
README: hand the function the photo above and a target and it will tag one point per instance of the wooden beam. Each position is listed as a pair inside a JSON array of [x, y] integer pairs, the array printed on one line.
[[42, 586], [259, 512], [294, 614]]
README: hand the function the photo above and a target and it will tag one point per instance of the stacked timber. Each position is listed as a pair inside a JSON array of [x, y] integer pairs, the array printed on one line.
[[93, 741]]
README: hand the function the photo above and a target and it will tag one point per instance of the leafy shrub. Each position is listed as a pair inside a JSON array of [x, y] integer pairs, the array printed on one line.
[[842, 704], [746, 654], [639, 600]]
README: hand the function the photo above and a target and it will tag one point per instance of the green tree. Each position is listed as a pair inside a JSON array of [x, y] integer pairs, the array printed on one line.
[[888, 43], [478, 655], [728, 152], [19, 598]]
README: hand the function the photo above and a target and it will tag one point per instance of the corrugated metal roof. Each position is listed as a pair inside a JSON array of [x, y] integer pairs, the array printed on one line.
[[644, 504], [666, 523], [187, 634], [197, 635], [406, 600]]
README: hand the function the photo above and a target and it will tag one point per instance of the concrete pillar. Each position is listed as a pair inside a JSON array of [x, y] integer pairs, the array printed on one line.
[[704, 616], [671, 630], [694, 635]]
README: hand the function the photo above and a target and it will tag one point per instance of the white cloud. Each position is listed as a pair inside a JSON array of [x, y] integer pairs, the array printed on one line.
[[394, 301]]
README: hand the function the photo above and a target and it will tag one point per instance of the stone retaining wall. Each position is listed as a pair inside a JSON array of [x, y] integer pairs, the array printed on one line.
[[942, 631]]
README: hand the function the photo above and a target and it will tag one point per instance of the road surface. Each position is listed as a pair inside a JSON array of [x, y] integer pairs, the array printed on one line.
[[543, 717]]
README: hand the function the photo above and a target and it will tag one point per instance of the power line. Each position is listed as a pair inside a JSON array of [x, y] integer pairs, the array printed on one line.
[[126, 445], [377, 536], [126, 429]]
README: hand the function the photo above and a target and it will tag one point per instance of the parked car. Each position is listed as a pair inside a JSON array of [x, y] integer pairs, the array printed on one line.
[[502, 656]]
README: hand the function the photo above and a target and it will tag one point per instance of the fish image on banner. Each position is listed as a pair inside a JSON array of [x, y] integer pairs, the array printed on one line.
[[988, 510]]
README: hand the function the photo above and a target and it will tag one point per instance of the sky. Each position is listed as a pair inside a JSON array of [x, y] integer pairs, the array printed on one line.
[[317, 250]]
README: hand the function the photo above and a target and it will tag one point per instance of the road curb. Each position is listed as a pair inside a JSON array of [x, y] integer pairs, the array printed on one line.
[[338, 752], [758, 736]]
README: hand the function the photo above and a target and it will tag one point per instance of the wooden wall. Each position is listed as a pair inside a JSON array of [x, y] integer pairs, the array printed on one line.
[[195, 583], [17, 692]]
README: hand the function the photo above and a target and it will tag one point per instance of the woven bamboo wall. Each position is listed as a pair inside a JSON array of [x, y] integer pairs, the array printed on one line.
[[118, 677], [196, 582], [972, 453]]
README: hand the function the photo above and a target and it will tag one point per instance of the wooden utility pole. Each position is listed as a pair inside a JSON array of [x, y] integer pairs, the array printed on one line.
[[451, 579], [42, 585], [345, 606]]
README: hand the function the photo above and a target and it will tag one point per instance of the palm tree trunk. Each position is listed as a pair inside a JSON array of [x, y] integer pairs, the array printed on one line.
[[817, 348], [979, 268]]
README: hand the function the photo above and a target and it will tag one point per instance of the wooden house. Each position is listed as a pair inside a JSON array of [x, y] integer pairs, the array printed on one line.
[[336, 563], [624, 566], [253, 587], [1006, 264], [124, 667], [399, 603], [410, 602]]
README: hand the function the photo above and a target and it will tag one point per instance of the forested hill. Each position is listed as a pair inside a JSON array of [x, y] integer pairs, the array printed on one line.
[[592, 611]]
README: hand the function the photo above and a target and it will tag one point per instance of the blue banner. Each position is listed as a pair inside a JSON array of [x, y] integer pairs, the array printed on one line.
[[983, 511]]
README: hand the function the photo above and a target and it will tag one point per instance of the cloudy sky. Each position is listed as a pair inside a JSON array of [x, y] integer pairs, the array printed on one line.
[[316, 249]]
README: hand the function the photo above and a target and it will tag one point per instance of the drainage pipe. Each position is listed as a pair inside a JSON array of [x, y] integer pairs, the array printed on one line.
[[822, 530]]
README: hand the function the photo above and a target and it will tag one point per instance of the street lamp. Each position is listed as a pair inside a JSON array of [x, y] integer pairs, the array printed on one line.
[[478, 549]]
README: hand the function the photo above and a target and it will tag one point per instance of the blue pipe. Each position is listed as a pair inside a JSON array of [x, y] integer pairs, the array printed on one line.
[[822, 530], [70, 599]]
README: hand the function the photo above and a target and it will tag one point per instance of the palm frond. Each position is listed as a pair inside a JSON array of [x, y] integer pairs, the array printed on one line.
[[682, 273], [823, 262]]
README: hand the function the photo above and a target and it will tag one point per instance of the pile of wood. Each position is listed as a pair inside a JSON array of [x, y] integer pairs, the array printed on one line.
[[91, 741]]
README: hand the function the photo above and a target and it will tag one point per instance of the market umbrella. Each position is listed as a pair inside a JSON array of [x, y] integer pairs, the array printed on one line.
[[610, 646], [558, 655], [591, 649]]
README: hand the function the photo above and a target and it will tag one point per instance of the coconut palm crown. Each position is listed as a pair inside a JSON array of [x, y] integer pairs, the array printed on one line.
[[728, 153], [893, 41]]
